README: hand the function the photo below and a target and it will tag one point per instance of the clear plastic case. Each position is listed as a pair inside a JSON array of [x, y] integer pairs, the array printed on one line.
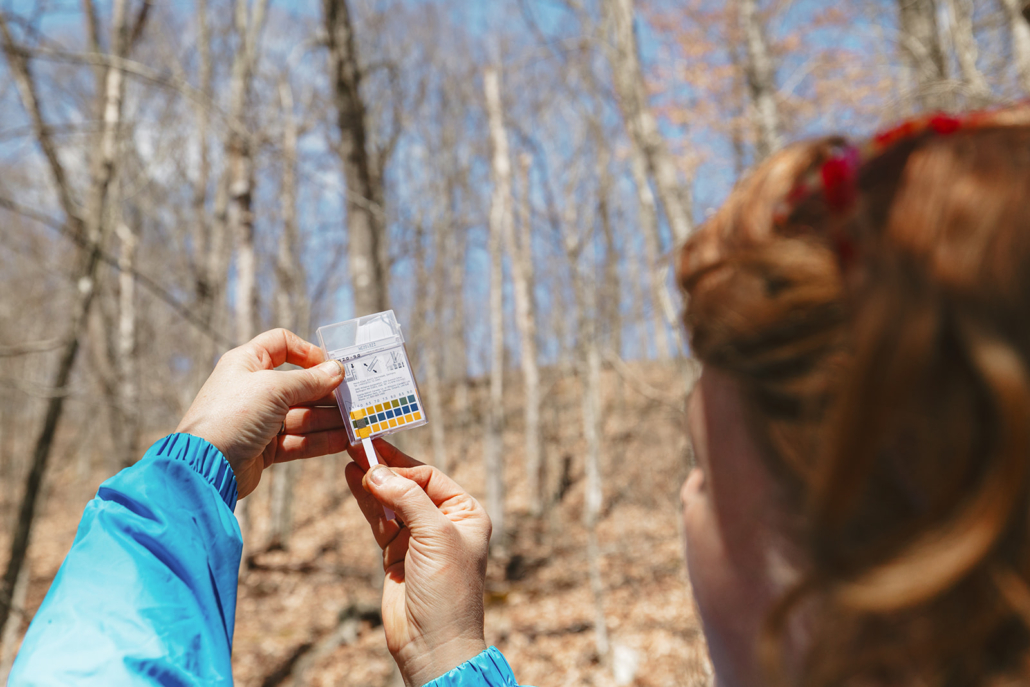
[[379, 394]]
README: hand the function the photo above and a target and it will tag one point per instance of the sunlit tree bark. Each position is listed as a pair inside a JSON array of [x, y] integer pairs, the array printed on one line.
[[366, 221], [500, 225], [761, 79]]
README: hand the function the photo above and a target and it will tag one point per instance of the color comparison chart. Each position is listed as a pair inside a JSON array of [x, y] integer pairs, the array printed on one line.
[[383, 417]]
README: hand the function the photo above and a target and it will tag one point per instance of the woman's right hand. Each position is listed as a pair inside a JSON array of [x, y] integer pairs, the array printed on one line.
[[435, 561]]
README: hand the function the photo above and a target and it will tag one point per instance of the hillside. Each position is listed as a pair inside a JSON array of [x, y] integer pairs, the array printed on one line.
[[307, 616]]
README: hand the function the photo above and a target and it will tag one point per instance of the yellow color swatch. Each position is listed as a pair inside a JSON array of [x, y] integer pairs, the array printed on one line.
[[393, 422], [418, 415], [369, 411], [357, 414], [408, 418], [375, 428], [379, 407]]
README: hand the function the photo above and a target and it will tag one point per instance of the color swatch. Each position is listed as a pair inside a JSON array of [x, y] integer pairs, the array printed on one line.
[[383, 417]]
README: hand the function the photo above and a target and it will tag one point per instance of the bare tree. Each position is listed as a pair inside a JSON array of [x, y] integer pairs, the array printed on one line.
[[447, 277], [628, 78], [761, 79], [578, 241], [366, 221], [210, 257], [921, 48], [126, 348], [520, 251], [248, 24], [292, 309], [1020, 29], [9, 633], [501, 221], [960, 21], [95, 233], [649, 158]]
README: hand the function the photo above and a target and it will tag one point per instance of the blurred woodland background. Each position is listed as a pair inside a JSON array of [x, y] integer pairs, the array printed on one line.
[[511, 177]]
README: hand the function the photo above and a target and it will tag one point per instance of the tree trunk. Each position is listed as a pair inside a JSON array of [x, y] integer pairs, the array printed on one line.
[[434, 383], [500, 226], [240, 214], [366, 221], [210, 261], [922, 51], [648, 219], [1020, 29], [10, 632], [960, 15], [589, 363], [456, 360], [610, 310], [436, 353], [520, 248], [84, 277], [128, 365], [291, 307], [761, 79], [630, 87]]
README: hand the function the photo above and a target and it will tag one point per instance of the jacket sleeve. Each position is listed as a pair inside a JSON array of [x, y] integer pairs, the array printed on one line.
[[147, 594], [488, 669]]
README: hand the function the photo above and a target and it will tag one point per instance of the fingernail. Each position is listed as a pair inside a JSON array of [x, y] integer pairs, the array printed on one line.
[[333, 368], [379, 475]]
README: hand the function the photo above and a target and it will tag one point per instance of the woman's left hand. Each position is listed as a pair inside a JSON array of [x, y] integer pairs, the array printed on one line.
[[256, 415]]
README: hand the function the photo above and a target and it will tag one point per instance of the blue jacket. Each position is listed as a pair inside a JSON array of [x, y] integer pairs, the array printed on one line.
[[147, 594]]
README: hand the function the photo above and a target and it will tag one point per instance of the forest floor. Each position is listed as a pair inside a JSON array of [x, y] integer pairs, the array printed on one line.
[[307, 615]]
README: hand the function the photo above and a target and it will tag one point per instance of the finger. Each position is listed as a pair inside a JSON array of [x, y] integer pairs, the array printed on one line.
[[298, 447], [310, 420], [326, 402], [440, 488], [300, 386], [277, 346], [397, 549], [386, 454], [382, 529], [393, 456], [408, 500]]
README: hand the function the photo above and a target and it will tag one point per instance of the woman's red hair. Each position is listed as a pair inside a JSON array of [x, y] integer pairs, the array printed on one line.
[[891, 388]]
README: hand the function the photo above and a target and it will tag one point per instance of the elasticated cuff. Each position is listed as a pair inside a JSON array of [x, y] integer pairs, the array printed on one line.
[[206, 460], [488, 669]]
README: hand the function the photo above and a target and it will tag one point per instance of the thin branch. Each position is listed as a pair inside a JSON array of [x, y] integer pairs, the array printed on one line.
[[140, 71], [17, 59], [30, 347], [143, 280], [673, 401]]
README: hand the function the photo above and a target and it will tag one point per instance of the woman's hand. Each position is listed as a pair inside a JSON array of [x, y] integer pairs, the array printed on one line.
[[435, 561], [245, 403]]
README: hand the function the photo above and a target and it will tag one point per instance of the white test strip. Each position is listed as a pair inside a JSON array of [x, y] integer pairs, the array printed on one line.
[[370, 453]]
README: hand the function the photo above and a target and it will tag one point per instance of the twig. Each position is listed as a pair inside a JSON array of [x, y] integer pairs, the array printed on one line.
[[144, 281], [673, 401], [30, 347]]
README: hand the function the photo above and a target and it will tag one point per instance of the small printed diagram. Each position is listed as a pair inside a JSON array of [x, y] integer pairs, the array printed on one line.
[[396, 361], [383, 417], [363, 368], [373, 366]]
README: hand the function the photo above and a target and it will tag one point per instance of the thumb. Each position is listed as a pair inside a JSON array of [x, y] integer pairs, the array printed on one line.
[[406, 498], [303, 386]]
